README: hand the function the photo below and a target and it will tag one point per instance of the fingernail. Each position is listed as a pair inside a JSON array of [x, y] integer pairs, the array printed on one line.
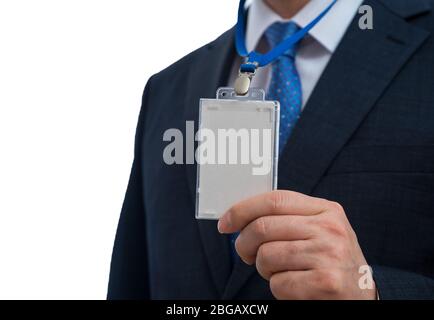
[[224, 223], [220, 225]]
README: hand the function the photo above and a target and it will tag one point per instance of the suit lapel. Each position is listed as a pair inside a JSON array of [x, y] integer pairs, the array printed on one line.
[[208, 72], [360, 70], [407, 9]]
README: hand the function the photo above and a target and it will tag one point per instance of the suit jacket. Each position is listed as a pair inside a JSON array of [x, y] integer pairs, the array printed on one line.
[[365, 139]]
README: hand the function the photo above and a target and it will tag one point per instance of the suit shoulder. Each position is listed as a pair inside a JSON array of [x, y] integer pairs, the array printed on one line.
[[182, 66]]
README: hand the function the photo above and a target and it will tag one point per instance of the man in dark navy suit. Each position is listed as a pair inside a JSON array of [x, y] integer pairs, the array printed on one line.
[[356, 176]]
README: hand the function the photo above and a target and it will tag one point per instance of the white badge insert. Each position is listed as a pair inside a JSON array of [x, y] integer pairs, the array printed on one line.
[[247, 125]]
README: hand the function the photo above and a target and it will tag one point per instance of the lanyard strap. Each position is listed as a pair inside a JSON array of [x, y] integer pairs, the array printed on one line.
[[255, 59]]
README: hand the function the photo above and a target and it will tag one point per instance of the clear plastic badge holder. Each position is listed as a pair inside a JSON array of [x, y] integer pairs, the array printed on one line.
[[238, 150]]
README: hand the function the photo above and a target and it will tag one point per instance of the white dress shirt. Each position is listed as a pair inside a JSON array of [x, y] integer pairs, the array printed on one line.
[[314, 51]]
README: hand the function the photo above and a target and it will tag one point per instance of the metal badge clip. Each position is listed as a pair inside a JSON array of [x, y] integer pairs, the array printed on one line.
[[245, 76]]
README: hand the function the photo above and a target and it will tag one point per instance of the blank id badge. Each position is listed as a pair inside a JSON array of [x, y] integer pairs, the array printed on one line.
[[237, 152]]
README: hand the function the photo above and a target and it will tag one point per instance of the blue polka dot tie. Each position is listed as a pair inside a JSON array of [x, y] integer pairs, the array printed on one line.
[[285, 85]]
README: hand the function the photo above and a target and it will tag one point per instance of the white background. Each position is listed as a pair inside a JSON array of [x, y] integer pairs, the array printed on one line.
[[71, 79]]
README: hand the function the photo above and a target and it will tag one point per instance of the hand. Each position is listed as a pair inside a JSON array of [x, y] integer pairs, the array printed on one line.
[[304, 246]]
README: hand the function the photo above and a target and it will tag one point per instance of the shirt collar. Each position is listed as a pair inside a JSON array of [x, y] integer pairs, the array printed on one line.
[[328, 32]]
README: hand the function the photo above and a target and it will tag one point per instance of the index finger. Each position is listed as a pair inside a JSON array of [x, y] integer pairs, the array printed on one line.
[[271, 203]]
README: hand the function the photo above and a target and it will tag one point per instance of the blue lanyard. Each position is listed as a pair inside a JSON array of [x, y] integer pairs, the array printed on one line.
[[255, 59]]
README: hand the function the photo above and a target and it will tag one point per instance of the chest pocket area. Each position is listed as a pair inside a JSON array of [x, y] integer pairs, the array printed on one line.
[[384, 158]]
